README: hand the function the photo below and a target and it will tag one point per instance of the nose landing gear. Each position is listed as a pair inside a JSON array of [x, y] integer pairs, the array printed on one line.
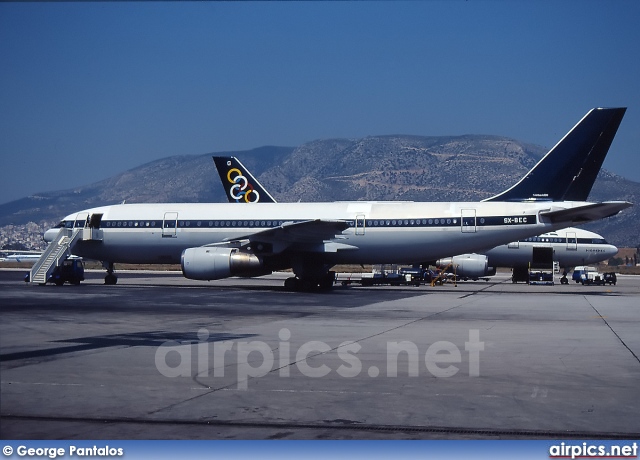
[[111, 277]]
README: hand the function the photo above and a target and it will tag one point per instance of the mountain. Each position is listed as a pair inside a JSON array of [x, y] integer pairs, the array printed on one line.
[[399, 167], [462, 168]]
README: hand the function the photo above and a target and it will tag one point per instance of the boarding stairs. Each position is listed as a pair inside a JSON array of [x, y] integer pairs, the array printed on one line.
[[55, 254]]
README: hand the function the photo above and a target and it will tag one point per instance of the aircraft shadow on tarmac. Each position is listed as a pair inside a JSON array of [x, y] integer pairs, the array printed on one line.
[[136, 339]]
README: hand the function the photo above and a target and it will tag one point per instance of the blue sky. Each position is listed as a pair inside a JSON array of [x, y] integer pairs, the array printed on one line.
[[88, 90]]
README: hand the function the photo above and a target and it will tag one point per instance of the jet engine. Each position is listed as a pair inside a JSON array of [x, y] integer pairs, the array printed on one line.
[[211, 263], [471, 266]]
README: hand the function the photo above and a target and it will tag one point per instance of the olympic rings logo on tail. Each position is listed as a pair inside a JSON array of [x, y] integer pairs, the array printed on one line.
[[241, 188]]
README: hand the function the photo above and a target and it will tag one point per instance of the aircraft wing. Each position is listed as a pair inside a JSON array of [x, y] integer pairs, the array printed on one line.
[[309, 235], [586, 213], [308, 231]]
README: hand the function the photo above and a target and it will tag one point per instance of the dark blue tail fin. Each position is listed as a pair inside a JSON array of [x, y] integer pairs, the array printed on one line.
[[567, 172], [239, 184]]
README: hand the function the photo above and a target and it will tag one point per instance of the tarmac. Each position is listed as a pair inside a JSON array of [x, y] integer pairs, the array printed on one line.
[[161, 357]]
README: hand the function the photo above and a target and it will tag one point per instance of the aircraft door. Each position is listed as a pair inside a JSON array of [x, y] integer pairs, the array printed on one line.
[[572, 241], [82, 220], [95, 220], [360, 224], [468, 220], [169, 225]]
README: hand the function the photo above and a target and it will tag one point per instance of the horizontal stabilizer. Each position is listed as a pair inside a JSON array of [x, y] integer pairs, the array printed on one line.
[[586, 213]]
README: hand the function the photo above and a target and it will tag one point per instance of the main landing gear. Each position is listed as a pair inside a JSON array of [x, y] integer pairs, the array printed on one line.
[[111, 277], [309, 284], [564, 279]]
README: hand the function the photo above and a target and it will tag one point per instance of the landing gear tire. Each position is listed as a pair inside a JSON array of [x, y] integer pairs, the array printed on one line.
[[297, 284], [327, 281], [307, 285], [111, 277], [291, 284]]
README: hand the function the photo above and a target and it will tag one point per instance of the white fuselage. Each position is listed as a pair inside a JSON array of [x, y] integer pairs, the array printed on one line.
[[571, 247], [400, 232]]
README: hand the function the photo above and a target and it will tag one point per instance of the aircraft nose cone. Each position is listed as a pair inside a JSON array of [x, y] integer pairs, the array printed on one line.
[[50, 234], [611, 250]]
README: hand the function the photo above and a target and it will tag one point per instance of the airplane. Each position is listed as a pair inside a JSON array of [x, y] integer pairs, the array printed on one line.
[[571, 247], [216, 241], [27, 257]]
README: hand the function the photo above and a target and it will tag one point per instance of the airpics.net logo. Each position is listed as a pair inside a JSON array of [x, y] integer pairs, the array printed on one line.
[[588, 450], [313, 359]]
